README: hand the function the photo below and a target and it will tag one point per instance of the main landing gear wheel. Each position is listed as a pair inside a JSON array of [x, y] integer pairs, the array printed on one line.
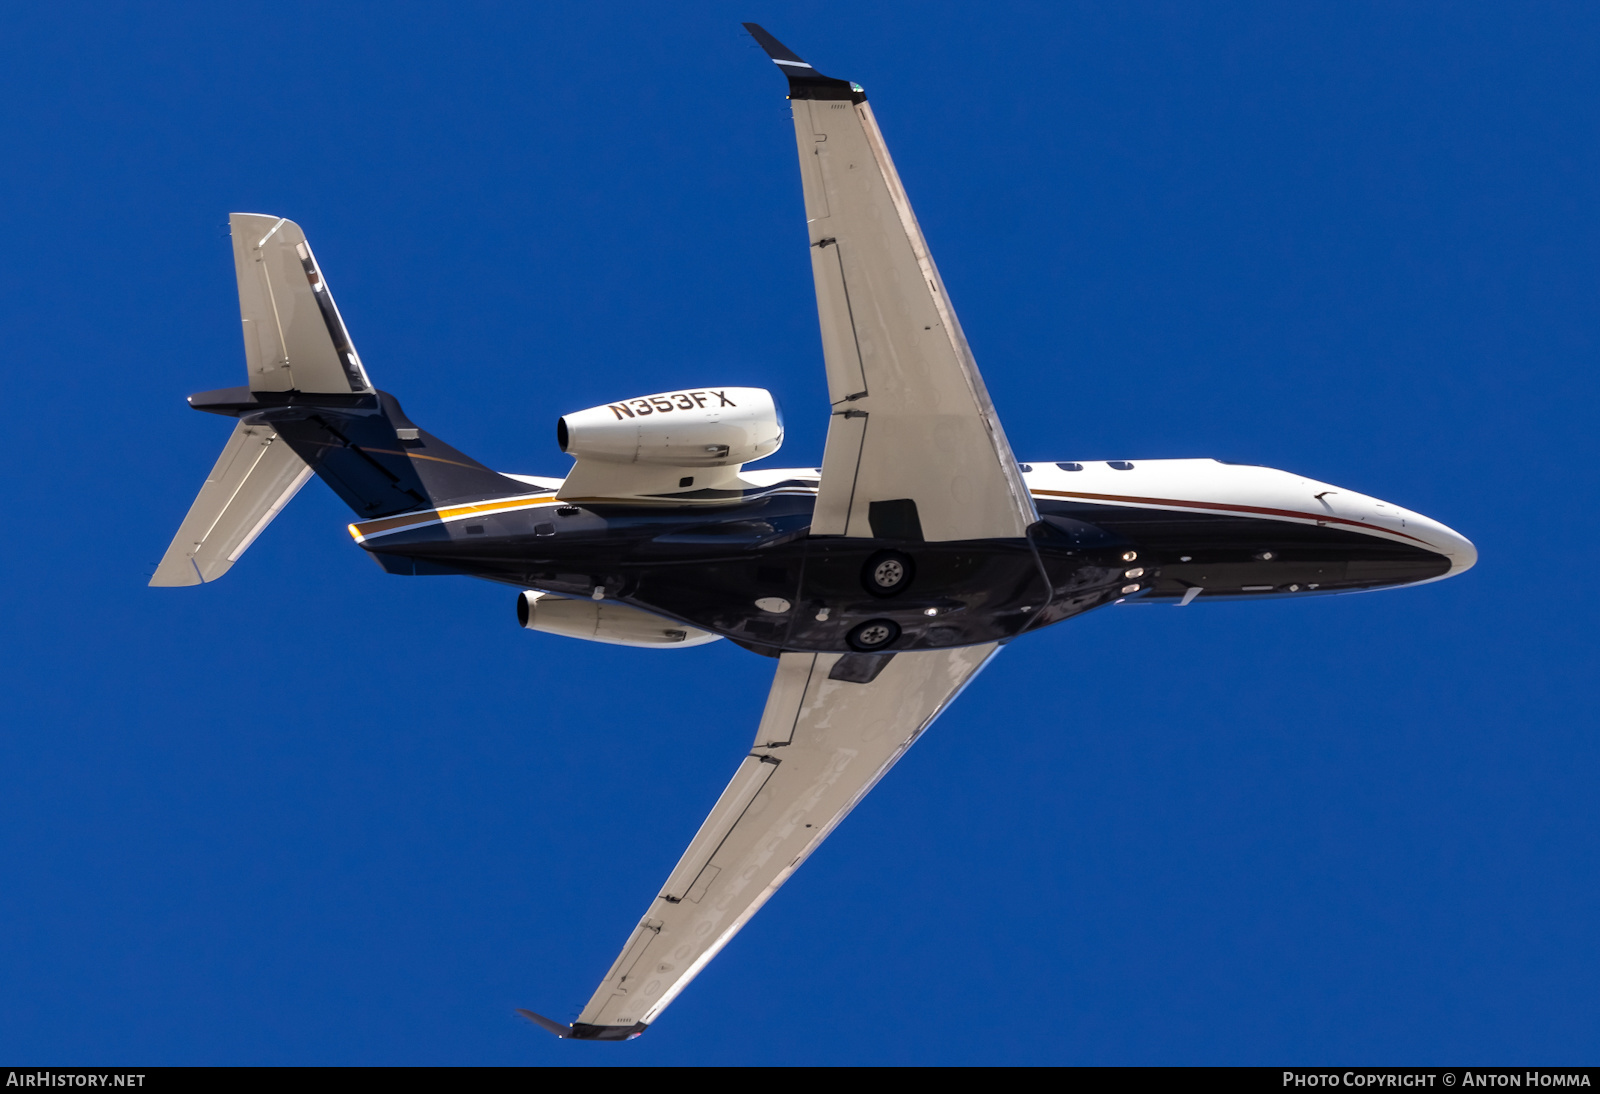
[[873, 635], [887, 573]]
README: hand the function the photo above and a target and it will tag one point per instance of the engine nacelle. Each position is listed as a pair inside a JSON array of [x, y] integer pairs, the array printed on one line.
[[605, 621], [679, 442]]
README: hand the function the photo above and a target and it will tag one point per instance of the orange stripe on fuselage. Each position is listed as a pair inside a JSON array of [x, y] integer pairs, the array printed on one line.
[[426, 516]]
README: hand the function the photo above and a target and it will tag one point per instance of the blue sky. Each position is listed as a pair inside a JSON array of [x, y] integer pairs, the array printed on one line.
[[316, 814]]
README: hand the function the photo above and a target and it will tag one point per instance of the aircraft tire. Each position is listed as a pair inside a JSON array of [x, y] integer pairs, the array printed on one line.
[[873, 635], [888, 573]]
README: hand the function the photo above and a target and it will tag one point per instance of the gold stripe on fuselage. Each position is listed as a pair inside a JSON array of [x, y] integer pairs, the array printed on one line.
[[366, 528]]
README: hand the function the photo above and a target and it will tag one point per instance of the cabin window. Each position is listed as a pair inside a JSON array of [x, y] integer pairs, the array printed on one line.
[[1025, 468], [1119, 465], [1070, 466]]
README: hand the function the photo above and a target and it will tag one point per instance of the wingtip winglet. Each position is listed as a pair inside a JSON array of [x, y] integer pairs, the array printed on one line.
[[560, 1029], [774, 48], [805, 82], [582, 1031]]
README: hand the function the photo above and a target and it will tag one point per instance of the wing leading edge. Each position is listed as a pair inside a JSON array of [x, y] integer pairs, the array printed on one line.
[[833, 725], [911, 416]]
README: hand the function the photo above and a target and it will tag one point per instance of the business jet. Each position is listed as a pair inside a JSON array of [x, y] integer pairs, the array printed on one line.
[[879, 584]]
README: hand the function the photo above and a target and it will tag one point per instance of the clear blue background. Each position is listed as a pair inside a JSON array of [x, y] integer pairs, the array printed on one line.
[[316, 814]]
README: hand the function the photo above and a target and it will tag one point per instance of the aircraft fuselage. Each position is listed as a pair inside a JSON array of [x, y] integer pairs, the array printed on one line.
[[748, 568]]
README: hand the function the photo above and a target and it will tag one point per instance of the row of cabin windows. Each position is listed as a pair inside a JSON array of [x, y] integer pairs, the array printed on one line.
[[1119, 465]]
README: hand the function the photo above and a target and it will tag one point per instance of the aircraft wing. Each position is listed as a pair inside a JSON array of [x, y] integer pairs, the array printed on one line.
[[911, 417], [255, 477], [834, 724], [294, 339]]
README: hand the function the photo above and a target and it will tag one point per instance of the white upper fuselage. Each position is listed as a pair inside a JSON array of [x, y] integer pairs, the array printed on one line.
[[1204, 486], [1207, 485]]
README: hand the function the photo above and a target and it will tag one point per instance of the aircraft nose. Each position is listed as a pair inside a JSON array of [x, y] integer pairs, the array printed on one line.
[[1448, 542]]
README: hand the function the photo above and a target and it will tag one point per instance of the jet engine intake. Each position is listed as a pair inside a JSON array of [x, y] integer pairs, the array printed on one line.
[[605, 621]]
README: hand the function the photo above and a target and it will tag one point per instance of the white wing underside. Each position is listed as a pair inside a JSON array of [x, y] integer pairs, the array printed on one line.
[[911, 417], [821, 745]]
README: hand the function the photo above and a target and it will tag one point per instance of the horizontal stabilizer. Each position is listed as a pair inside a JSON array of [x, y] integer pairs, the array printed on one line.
[[364, 447], [294, 339], [253, 480]]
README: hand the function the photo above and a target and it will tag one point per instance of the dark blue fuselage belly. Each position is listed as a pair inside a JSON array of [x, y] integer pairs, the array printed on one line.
[[710, 567]]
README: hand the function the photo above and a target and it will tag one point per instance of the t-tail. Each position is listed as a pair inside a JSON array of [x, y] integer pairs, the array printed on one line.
[[308, 407]]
